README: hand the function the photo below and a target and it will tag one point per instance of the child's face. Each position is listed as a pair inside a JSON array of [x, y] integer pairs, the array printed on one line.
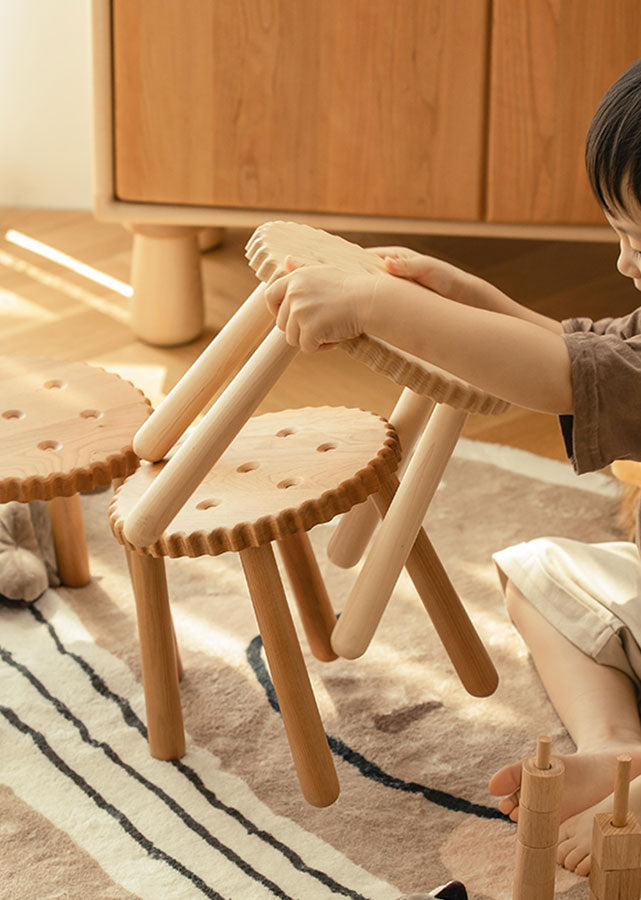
[[628, 228]]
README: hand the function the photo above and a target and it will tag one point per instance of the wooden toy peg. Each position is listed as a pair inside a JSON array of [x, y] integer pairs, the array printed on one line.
[[538, 824], [615, 867]]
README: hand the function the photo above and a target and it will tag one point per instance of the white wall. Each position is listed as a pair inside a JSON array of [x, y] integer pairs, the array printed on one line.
[[45, 103]]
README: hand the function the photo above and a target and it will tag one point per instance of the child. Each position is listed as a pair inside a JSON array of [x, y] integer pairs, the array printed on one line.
[[577, 606]]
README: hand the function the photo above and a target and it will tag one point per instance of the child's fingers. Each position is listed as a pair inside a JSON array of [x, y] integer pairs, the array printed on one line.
[[275, 294]]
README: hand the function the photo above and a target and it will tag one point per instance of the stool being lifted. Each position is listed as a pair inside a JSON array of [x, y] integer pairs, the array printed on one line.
[[401, 539]]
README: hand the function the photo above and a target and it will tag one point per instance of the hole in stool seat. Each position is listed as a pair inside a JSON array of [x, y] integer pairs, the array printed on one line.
[[323, 448], [91, 414], [13, 414], [289, 482], [248, 467], [285, 432], [208, 503], [54, 384], [49, 445]]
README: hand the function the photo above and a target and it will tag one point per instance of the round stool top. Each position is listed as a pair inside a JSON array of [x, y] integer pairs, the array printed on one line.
[[267, 250], [284, 472], [64, 427]]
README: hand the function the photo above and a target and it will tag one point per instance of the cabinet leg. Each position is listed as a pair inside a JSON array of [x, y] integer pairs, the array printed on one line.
[[305, 733], [68, 532], [168, 306], [209, 238], [158, 652]]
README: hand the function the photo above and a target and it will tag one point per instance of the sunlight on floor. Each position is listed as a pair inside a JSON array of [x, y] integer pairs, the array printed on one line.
[[62, 259], [108, 307], [16, 308]]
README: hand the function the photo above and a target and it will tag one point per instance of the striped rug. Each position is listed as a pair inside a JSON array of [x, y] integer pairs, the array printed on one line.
[[85, 812]]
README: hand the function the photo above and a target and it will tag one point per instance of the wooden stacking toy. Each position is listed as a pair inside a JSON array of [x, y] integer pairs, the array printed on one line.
[[615, 867], [538, 825], [65, 427], [401, 539]]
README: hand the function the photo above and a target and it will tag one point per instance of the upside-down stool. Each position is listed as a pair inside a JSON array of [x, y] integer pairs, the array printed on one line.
[[65, 427], [401, 539], [284, 473]]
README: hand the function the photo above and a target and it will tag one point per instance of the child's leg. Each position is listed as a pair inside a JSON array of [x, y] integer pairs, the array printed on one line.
[[596, 703]]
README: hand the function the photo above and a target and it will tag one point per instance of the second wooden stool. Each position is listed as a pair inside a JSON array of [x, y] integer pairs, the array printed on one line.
[[284, 473]]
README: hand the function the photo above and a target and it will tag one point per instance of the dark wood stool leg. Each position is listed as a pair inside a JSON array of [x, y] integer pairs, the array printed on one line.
[[160, 667], [307, 741], [68, 532], [312, 600]]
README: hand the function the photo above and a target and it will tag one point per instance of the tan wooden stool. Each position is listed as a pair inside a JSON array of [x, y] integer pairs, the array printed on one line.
[[401, 539], [284, 473], [65, 427]]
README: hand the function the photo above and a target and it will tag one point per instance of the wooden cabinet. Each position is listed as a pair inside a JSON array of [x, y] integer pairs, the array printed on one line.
[[449, 116], [551, 62], [368, 107]]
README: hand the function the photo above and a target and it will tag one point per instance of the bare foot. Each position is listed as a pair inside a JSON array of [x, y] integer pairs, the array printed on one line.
[[589, 778], [575, 834]]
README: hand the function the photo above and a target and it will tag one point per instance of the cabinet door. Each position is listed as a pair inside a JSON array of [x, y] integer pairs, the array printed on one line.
[[552, 61], [372, 107]]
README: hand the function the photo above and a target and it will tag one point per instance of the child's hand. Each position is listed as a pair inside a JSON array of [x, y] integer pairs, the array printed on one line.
[[439, 276], [317, 306]]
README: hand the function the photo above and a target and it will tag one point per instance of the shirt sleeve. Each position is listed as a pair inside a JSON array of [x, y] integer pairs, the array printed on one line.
[[605, 358]]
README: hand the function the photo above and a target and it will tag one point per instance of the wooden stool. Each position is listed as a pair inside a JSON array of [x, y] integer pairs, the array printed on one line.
[[65, 427], [401, 539], [284, 473]]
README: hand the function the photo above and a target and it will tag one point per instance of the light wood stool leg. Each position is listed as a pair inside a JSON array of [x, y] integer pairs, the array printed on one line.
[[307, 741], [222, 358], [395, 538], [68, 532], [443, 605], [160, 666], [352, 534], [312, 600], [168, 306], [167, 493]]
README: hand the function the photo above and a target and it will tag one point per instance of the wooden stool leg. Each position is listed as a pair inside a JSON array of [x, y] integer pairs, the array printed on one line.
[[395, 538], [168, 493], [352, 534], [443, 605], [158, 656], [68, 532], [314, 606], [307, 741]]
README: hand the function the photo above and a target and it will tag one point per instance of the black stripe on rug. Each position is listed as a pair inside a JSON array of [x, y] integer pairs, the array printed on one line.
[[128, 827], [63, 710], [366, 767], [133, 721]]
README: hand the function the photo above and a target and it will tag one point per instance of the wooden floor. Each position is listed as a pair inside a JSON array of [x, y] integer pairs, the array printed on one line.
[[55, 308]]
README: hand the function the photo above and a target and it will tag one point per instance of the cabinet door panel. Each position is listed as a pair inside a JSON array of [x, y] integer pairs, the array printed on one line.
[[349, 106], [552, 61]]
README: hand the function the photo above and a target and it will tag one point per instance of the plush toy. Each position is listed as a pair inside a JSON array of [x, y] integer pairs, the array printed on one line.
[[27, 556], [453, 890]]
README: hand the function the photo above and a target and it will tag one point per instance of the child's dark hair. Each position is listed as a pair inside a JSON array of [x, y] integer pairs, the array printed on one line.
[[613, 144]]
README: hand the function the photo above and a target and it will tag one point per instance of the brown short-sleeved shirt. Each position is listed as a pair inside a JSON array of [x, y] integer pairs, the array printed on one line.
[[605, 361]]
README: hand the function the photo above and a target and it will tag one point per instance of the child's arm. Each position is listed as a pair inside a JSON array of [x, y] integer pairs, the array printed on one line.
[[505, 355], [456, 284]]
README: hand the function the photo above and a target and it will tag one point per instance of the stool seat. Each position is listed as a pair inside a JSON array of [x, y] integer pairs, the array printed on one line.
[[64, 427], [284, 473]]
